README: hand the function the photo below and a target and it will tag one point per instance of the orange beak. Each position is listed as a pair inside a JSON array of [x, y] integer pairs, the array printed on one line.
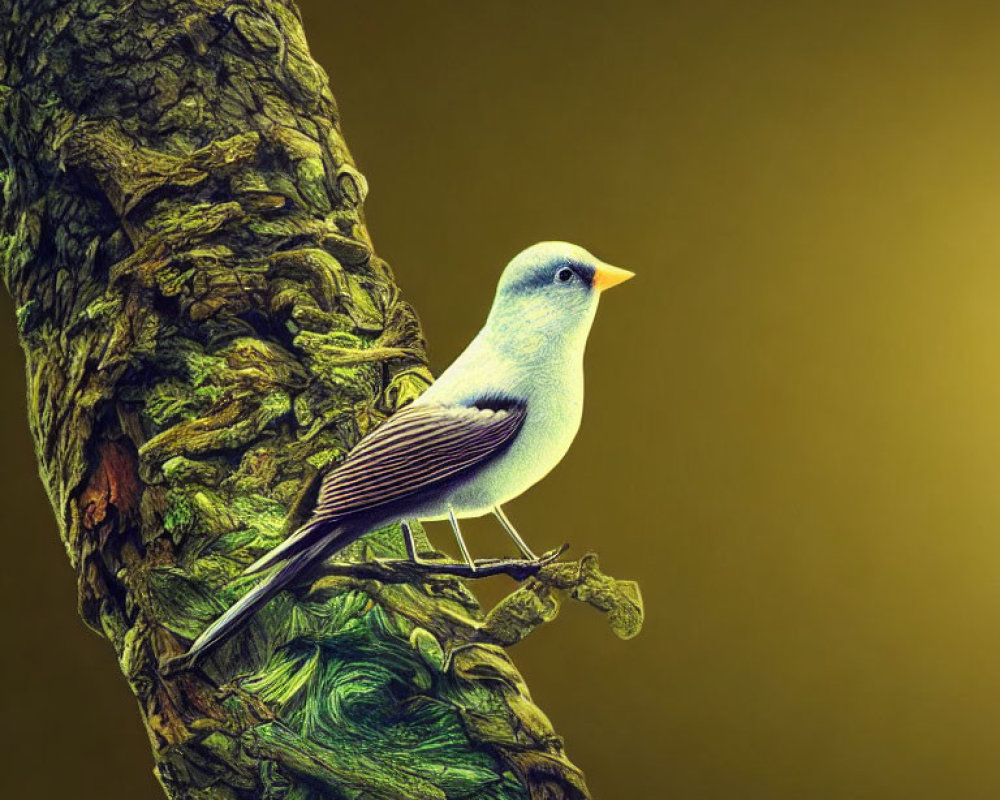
[[607, 276]]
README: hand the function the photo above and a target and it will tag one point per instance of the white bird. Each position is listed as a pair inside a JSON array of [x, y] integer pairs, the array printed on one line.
[[492, 425]]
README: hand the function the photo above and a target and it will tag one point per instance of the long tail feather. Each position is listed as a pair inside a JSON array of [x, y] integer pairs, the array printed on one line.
[[240, 612], [298, 541]]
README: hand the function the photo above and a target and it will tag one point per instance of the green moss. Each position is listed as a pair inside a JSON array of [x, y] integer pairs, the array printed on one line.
[[179, 516], [27, 317], [183, 603], [171, 401]]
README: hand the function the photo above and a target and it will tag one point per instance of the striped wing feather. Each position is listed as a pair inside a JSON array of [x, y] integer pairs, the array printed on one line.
[[416, 449]]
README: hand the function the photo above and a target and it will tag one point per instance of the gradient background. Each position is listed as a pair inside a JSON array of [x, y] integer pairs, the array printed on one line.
[[792, 437]]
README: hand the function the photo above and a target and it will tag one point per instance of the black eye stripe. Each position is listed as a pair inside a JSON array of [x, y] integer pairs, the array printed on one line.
[[541, 278], [585, 273]]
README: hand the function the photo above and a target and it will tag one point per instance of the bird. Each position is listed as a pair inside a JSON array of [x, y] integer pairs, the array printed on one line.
[[492, 425]]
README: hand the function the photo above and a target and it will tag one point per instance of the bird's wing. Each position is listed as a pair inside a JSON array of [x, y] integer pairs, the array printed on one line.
[[416, 449]]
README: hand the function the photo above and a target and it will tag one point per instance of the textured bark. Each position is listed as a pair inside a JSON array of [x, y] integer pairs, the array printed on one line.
[[206, 328]]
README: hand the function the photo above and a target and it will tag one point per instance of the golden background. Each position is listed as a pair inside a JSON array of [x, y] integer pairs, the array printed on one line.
[[792, 434]]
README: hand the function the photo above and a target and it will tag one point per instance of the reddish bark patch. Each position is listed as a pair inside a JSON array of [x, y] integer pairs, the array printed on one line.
[[114, 481]]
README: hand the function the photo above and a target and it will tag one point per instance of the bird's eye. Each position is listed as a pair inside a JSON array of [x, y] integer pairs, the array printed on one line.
[[565, 275]]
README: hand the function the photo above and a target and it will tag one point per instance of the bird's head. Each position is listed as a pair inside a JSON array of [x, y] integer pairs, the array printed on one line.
[[549, 293]]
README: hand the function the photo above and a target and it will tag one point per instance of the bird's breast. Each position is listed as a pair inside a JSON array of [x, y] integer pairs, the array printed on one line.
[[554, 412]]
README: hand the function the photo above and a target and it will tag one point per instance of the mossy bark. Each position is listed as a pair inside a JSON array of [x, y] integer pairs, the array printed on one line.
[[206, 328]]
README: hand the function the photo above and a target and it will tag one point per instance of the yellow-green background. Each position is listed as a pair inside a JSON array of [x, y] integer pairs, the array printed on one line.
[[792, 433]]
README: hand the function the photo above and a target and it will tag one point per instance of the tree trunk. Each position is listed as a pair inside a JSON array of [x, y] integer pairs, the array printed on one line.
[[206, 328]]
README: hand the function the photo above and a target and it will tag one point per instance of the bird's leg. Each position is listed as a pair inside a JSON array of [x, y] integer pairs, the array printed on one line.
[[461, 541], [521, 544], [411, 546]]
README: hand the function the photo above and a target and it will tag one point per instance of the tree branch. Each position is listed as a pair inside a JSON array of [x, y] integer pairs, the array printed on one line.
[[405, 570]]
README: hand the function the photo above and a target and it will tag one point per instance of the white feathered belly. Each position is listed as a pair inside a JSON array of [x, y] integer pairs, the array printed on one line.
[[537, 448]]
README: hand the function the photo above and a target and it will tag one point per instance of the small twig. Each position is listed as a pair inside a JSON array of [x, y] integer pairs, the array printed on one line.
[[403, 570], [537, 601]]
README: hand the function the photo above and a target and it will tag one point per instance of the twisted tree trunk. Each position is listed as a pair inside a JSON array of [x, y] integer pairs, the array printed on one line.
[[206, 327]]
